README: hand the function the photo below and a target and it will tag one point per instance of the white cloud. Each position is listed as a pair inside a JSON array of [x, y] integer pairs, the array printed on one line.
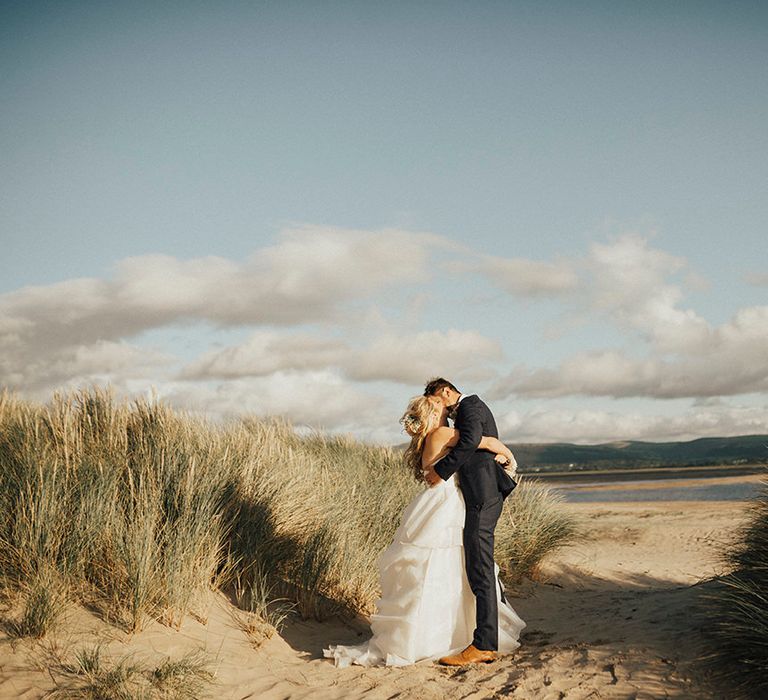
[[732, 359], [308, 276], [531, 277], [264, 353], [318, 399], [321, 304], [552, 424], [629, 282], [76, 365], [680, 354], [416, 357], [522, 276], [405, 358], [757, 279], [303, 278], [624, 280]]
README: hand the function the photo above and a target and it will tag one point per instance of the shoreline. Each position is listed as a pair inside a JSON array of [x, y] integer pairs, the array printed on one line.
[[657, 484], [647, 473]]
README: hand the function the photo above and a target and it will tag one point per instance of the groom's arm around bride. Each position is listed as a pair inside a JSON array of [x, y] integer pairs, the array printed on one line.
[[482, 478]]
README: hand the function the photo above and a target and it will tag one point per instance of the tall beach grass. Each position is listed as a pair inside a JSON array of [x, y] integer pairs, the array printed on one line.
[[735, 610], [138, 511]]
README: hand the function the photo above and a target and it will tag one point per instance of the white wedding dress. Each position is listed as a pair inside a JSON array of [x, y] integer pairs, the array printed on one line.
[[426, 609]]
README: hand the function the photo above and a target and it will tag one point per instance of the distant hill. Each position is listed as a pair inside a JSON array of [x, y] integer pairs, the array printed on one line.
[[744, 449]]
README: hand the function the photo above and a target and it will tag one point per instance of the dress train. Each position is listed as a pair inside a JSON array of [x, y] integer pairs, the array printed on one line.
[[426, 609]]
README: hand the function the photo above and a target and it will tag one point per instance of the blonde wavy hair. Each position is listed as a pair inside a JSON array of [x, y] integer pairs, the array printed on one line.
[[419, 419]]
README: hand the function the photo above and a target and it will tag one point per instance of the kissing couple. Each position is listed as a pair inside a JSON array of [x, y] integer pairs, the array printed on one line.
[[441, 597]]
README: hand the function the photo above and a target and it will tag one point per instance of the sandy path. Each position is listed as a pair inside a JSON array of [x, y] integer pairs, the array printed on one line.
[[614, 619]]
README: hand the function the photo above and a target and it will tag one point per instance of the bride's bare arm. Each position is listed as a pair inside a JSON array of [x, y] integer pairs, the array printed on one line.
[[492, 444], [439, 442]]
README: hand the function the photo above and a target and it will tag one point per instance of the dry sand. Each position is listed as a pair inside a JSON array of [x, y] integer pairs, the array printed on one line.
[[613, 618]]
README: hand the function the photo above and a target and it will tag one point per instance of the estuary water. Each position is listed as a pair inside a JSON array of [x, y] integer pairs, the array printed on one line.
[[660, 492], [696, 485]]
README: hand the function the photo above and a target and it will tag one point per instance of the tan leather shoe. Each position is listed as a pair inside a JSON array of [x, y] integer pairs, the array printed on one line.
[[471, 655]]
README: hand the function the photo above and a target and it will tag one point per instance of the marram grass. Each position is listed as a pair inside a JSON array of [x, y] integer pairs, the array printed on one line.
[[139, 510], [532, 524], [735, 610], [93, 675]]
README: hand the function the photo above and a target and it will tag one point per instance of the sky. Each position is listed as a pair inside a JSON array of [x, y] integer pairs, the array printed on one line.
[[308, 209]]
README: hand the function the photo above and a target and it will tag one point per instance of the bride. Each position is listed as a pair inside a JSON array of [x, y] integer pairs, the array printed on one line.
[[427, 609]]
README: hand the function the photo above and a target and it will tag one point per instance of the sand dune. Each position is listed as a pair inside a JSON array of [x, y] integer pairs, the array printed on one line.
[[615, 617]]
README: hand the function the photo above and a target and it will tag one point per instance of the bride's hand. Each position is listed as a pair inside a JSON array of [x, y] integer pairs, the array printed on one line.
[[510, 466], [431, 476]]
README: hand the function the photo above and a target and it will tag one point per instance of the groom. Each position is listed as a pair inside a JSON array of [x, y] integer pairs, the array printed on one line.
[[484, 485]]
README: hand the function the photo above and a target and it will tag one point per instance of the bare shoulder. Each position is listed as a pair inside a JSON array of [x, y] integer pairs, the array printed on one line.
[[443, 435]]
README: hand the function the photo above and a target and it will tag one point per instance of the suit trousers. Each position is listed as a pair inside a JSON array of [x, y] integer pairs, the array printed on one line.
[[479, 524]]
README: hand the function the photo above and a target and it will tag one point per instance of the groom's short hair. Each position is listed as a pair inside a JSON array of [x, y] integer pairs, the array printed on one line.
[[436, 384]]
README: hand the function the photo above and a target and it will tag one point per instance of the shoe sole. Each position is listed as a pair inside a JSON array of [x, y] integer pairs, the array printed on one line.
[[469, 663]]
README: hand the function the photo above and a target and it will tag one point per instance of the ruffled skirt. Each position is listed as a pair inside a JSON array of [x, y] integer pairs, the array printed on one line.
[[427, 608]]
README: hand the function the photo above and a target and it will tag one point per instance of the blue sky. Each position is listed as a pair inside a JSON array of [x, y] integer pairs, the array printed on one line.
[[305, 208]]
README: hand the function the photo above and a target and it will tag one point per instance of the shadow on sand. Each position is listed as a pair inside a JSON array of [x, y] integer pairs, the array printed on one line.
[[633, 636]]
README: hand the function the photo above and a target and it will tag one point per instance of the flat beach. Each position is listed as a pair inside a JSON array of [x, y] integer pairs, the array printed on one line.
[[614, 616]]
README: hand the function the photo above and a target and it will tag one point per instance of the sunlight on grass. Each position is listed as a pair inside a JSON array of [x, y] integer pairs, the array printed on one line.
[[735, 610], [140, 510]]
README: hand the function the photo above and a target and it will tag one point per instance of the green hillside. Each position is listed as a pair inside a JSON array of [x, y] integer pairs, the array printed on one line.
[[743, 449]]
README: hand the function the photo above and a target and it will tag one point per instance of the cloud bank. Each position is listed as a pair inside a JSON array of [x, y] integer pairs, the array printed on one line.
[[332, 317], [676, 353]]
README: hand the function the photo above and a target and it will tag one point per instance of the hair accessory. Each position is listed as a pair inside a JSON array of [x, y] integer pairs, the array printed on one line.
[[411, 422]]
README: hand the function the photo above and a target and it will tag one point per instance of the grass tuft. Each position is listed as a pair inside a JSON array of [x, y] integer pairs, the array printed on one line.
[[188, 677], [265, 613], [734, 610], [95, 676], [533, 524], [44, 598]]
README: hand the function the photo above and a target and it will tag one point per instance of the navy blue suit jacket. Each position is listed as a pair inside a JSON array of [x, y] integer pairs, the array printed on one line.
[[481, 478]]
